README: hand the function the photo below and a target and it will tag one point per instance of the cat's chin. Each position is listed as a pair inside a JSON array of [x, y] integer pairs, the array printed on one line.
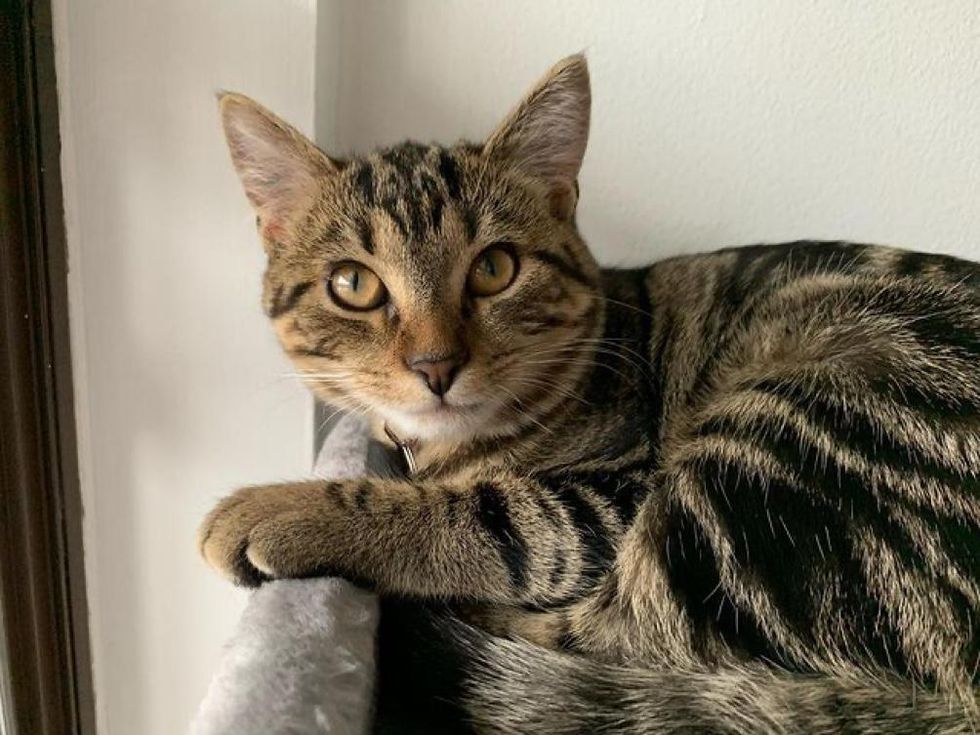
[[444, 422]]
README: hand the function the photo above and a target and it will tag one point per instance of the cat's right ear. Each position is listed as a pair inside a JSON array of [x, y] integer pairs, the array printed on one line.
[[280, 169]]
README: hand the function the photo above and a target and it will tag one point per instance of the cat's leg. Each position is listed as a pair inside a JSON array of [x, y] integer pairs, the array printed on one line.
[[505, 540]]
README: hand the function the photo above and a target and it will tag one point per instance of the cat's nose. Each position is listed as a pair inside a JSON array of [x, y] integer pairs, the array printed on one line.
[[438, 371]]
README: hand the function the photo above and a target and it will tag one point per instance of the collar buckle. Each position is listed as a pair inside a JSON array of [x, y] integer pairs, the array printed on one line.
[[408, 454]]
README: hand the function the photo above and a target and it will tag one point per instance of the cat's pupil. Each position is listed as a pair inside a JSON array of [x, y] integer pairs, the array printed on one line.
[[355, 279], [489, 266]]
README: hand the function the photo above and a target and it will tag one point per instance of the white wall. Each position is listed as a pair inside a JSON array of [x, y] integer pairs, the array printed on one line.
[[178, 377], [715, 122]]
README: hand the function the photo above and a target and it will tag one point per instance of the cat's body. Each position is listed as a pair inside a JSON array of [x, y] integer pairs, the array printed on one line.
[[760, 503], [737, 492]]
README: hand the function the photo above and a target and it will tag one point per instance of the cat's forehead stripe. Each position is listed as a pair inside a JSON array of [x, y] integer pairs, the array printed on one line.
[[450, 173], [472, 223], [436, 214], [366, 234], [411, 184], [364, 182]]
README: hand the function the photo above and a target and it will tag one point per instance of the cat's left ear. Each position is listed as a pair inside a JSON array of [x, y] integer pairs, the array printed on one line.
[[546, 134], [280, 169]]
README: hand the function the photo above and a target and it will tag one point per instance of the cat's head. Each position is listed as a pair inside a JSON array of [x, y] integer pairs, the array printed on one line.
[[442, 289]]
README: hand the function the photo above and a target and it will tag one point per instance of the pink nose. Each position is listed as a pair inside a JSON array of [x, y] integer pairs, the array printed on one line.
[[438, 371]]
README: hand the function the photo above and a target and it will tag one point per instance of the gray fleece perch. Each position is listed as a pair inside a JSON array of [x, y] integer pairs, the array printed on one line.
[[301, 660]]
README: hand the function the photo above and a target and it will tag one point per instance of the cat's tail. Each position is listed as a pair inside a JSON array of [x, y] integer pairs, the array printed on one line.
[[510, 686], [515, 687]]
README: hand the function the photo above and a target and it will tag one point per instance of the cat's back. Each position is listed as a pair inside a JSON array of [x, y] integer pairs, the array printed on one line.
[[808, 302], [821, 435], [724, 281]]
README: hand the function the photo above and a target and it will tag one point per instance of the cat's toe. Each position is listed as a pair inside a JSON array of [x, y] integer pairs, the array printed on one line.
[[288, 545], [268, 532], [223, 537]]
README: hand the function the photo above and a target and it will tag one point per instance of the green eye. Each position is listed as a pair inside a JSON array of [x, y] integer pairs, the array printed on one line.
[[493, 270], [356, 287]]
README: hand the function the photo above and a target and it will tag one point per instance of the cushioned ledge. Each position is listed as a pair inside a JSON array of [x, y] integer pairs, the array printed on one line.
[[301, 659]]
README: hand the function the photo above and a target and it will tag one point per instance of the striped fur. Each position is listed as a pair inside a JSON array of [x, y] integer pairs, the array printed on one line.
[[734, 492]]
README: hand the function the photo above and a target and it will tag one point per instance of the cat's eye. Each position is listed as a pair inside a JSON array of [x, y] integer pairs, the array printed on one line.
[[355, 286], [493, 270]]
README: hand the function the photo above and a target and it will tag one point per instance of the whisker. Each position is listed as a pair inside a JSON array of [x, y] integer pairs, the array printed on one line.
[[521, 411], [599, 344], [598, 362], [587, 363], [344, 405], [557, 387], [603, 297]]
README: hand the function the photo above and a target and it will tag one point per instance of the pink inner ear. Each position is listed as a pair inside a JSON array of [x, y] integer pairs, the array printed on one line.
[[273, 230], [272, 198], [562, 200]]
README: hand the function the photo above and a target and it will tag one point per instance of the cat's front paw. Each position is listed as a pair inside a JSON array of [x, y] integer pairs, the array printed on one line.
[[268, 532]]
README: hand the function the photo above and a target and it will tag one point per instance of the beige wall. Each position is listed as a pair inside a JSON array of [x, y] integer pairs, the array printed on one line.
[[179, 382], [715, 122]]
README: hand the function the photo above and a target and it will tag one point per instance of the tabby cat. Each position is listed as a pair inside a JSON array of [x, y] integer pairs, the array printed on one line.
[[735, 492]]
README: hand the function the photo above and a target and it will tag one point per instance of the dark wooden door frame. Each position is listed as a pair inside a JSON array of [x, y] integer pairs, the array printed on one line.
[[42, 581]]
